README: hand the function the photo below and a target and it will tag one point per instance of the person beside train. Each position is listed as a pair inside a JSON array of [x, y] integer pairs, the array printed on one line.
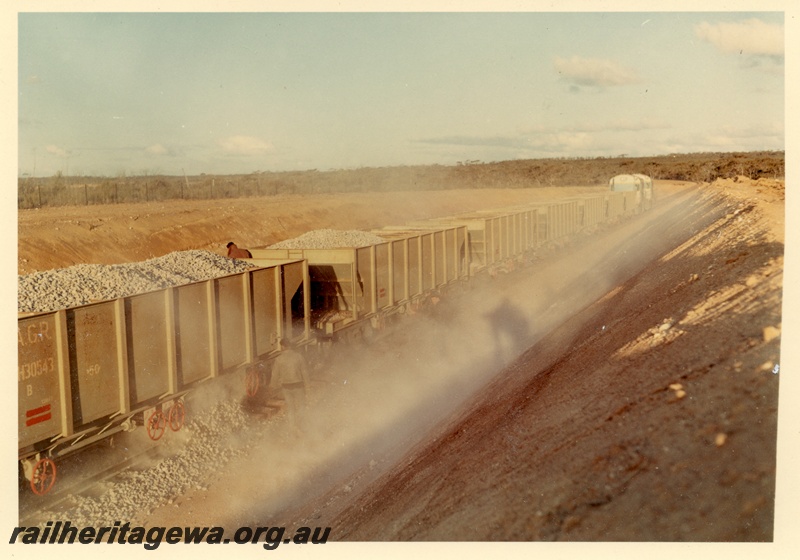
[[235, 253], [290, 375], [510, 329]]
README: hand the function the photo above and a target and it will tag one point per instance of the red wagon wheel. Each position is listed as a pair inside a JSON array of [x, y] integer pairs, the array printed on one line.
[[44, 476], [177, 414], [251, 381], [156, 425]]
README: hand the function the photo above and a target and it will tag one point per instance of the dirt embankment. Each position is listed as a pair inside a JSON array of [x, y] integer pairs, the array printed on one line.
[[110, 234], [649, 416]]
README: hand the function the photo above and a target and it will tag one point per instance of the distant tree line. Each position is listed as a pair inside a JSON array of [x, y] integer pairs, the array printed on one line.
[[59, 190]]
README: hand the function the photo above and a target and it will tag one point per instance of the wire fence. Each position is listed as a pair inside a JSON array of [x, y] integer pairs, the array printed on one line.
[[77, 191], [38, 193]]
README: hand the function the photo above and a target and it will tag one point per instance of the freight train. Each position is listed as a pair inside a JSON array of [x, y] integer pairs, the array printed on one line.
[[91, 371]]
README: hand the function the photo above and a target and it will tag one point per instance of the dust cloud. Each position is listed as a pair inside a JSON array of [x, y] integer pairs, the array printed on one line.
[[371, 403]]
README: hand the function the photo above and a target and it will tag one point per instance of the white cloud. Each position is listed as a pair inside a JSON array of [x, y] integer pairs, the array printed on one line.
[[589, 138], [564, 142], [748, 37], [645, 123], [618, 125], [731, 138], [762, 130], [754, 137], [594, 72], [245, 146], [55, 150], [156, 150]]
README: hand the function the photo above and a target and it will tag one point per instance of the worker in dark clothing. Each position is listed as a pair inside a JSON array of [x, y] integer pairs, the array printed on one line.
[[235, 253], [290, 375]]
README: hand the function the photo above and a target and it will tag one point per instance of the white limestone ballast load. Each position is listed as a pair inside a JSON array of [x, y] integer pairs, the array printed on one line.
[[50, 290], [329, 239]]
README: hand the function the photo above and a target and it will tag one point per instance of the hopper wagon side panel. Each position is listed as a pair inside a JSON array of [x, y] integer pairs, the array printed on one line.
[[96, 358], [149, 328], [594, 211], [400, 270], [479, 247], [194, 332], [293, 290], [233, 320], [463, 255], [414, 258], [428, 265], [365, 290], [439, 252], [450, 255], [44, 410], [265, 284], [383, 276]]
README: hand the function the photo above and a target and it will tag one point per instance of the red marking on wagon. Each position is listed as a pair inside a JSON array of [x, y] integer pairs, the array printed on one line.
[[37, 420], [37, 411], [37, 415]]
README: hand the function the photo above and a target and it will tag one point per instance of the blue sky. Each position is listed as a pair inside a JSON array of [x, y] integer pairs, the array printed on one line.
[[134, 93]]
